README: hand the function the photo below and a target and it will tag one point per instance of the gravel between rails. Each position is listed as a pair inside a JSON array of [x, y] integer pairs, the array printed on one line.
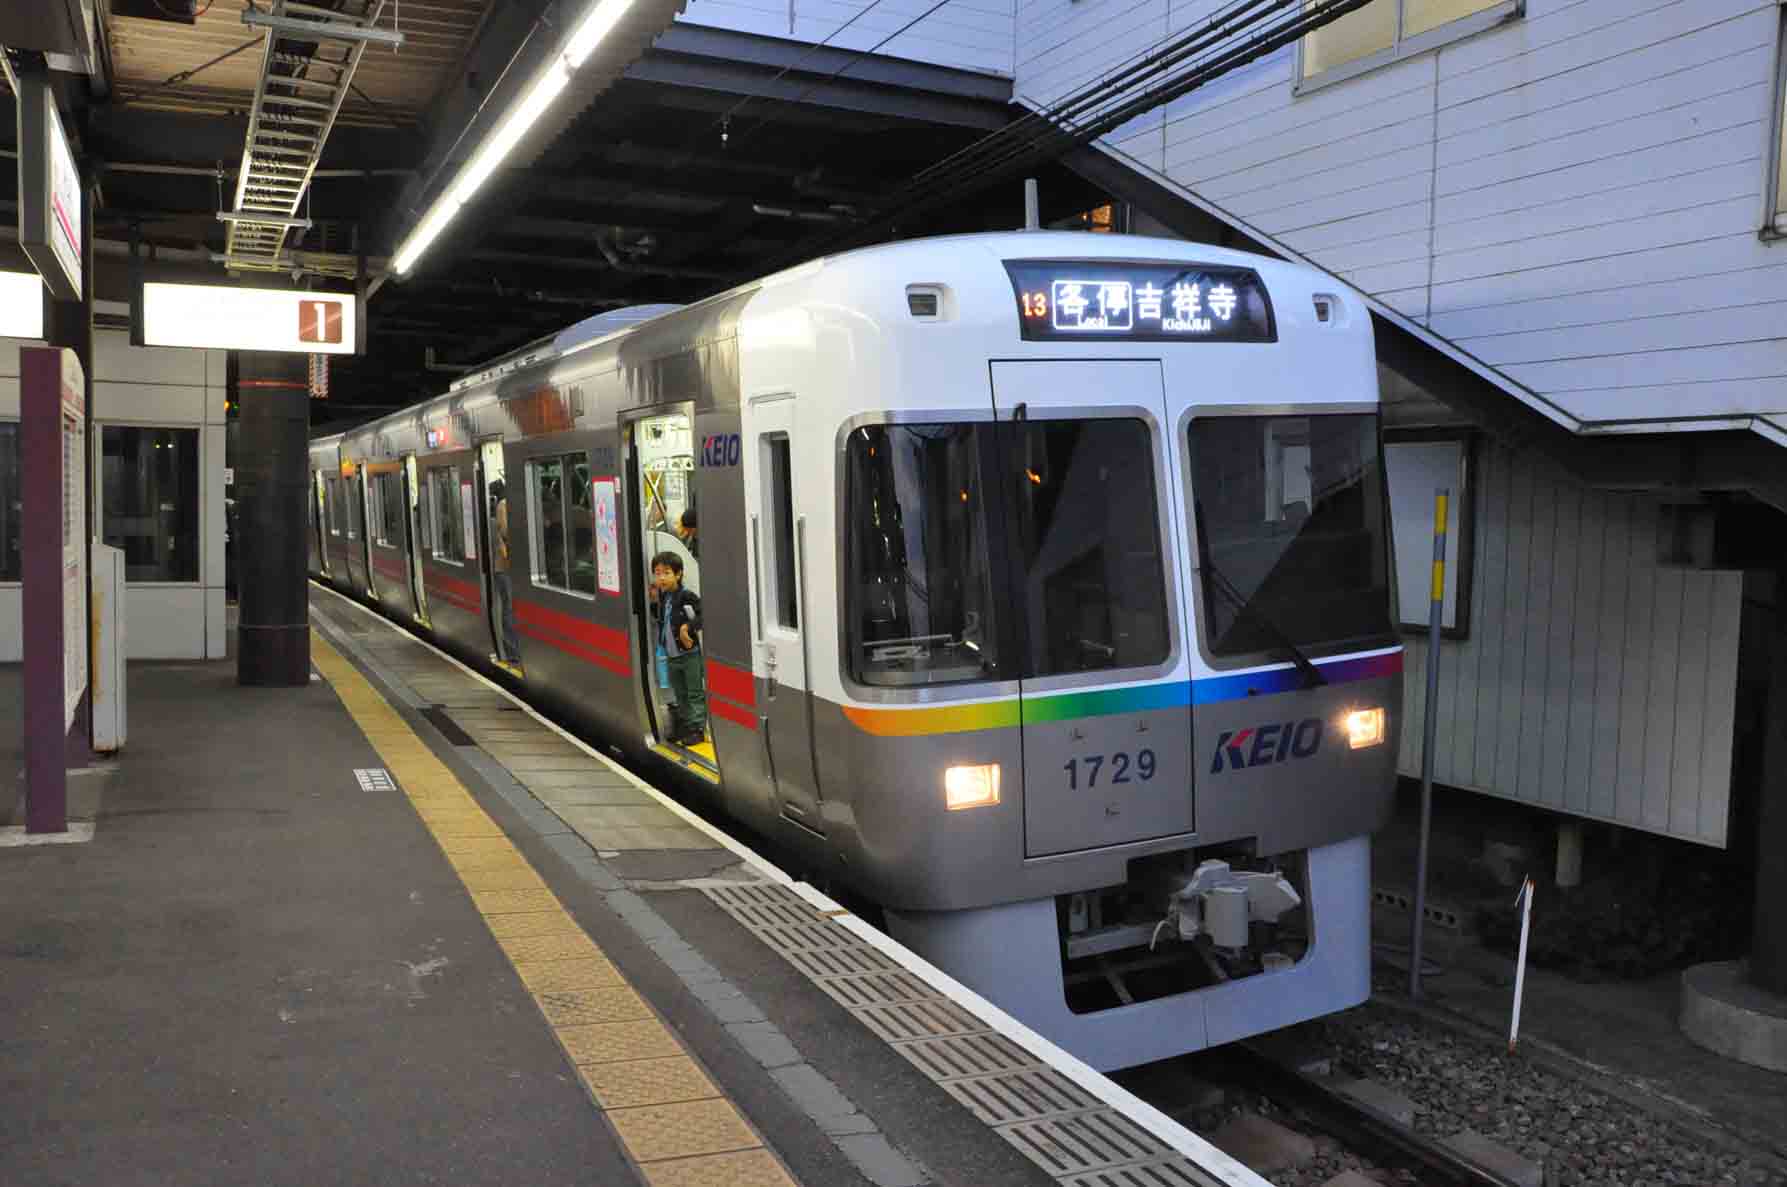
[[1458, 1082]]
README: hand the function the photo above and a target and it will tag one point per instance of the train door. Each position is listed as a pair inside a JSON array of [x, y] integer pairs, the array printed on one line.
[[363, 518], [493, 530], [1106, 702], [321, 518], [412, 526], [661, 485], [778, 546]]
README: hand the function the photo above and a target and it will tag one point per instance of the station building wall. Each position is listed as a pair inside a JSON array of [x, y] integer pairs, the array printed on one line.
[[175, 399], [1575, 196], [1589, 677], [965, 34]]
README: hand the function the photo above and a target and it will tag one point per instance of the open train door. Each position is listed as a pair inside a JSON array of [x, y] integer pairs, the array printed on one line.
[[492, 510], [1106, 699], [412, 526]]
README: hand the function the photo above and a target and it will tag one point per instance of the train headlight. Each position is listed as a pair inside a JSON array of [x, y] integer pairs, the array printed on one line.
[[1364, 727], [971, 787]]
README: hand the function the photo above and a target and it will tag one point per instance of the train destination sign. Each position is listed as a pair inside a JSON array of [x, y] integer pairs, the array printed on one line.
[[1085, 300]]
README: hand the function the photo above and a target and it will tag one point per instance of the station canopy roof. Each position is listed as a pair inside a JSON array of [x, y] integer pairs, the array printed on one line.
[[680, 160]]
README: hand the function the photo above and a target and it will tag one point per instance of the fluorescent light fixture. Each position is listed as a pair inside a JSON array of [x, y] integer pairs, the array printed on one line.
[[971, 787], [223, 317], [596, 24], [21, 305], [509, 132], [1365, 727]]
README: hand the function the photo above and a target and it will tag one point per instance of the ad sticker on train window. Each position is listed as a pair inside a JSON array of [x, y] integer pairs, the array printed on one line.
[[1085, 301], [607, 536], [469, 506]]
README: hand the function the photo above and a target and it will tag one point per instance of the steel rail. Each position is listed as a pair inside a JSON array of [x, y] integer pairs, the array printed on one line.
[[1362, 1128]]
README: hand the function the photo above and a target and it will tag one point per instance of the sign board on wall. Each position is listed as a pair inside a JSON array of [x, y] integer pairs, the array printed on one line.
[[74, 535], [225, 317], [21, 305], [1415, 469], [50, 192]]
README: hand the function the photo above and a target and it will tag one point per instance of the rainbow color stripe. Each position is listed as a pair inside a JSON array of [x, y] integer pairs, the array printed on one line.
[[1141, 698]]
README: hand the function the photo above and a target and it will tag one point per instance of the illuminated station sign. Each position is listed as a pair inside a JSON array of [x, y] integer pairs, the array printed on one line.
[[1082, 300]]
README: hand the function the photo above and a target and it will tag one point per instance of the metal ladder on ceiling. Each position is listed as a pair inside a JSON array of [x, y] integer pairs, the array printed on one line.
[[307, 68]]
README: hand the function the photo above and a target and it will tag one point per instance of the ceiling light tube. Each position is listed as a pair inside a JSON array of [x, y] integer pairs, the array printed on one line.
[[596, 24]]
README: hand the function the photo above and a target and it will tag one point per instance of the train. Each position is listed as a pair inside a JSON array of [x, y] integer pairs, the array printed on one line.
[[1044, 584]]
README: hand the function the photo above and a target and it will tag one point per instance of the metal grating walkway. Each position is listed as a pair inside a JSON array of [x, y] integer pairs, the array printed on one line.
[[307, 68], [1076, 1139]]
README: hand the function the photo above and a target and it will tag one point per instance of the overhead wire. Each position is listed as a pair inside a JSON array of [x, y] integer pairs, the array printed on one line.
[[1241, 33]]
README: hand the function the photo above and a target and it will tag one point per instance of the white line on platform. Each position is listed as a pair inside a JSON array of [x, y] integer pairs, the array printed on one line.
[[15, 837], [1207, 1157]]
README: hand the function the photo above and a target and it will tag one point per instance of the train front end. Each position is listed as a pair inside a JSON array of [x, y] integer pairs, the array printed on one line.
[[1122, 683]]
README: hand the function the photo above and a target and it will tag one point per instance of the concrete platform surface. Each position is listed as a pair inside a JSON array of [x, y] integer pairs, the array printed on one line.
[[358, 932]]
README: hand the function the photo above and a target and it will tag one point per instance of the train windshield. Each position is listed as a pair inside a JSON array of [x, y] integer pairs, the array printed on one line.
[[920, 567], [1292, 532]]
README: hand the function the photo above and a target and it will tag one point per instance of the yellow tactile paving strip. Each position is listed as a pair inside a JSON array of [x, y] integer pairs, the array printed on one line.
[[672, 1119]]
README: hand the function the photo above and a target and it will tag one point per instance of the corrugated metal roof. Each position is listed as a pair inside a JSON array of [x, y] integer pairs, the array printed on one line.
[[400, 84]]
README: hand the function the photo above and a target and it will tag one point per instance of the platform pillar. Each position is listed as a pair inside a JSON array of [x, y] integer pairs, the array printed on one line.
[[1768, 945], [272, 472]]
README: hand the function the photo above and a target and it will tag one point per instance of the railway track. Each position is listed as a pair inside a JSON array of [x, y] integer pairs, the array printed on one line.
[[1362, 1129]]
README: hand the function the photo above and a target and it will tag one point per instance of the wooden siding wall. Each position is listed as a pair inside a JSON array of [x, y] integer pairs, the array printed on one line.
[[1573, 197], [1593, 681], [965, 34]]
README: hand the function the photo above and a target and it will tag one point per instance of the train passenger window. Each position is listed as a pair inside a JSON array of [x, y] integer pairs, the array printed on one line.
[[1087, 546], [546, 514], [782, 524], [446, 520], [1292, 530], [387, 497], [580, 524], [333, 486], [10, 569], [562, 523], [920, 592]]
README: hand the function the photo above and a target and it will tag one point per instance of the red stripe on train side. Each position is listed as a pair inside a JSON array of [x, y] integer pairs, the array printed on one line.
[[571, 627], [576, 650], [732, 713], [454, 585], [735, 684]]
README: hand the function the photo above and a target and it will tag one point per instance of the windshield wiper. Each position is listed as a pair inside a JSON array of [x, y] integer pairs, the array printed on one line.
[[1312, 675]]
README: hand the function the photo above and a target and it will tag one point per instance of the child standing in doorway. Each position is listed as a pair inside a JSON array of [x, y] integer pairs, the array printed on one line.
[[676, 614]]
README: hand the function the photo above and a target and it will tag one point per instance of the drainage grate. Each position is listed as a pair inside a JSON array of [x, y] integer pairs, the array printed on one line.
[[1166, 1172], [806, 937], [1048, 1118], [1021, 1096], [928, 1019], [1086, 1142], [875, 989], [754, 894], [966, 1055], [1399, 900], [821, 963], [374, 779]]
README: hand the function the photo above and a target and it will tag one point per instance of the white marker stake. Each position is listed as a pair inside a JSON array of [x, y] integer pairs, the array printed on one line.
[[1524, 900]]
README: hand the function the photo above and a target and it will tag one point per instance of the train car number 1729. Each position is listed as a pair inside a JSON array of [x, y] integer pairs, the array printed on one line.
[[1124, 768]]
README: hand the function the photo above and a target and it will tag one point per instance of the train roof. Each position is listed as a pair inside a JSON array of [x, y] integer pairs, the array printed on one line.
[[995, 246]]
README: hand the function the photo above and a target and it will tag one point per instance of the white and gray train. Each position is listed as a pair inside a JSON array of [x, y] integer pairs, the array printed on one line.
[[1045, 587]]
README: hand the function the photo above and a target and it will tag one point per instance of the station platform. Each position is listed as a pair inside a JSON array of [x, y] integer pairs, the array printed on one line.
[[395, 927]]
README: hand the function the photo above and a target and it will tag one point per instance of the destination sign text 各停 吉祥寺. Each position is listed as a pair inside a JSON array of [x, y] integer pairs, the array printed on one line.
[[1155, 302]]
